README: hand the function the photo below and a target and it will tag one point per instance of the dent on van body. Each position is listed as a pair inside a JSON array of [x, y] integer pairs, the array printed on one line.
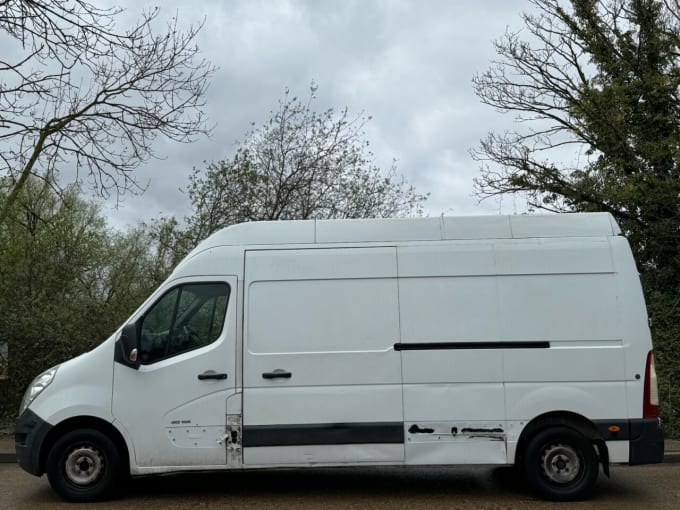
[[460, 441], [459, 430]]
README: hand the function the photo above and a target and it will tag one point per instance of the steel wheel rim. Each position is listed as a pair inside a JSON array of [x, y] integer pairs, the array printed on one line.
[[561, 464], [84, 465]]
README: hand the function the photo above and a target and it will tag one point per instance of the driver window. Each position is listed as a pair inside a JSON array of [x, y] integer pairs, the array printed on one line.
[[185, 318]]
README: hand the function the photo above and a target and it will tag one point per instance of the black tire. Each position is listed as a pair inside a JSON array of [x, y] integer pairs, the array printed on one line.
[[560, 464], [84, 465]]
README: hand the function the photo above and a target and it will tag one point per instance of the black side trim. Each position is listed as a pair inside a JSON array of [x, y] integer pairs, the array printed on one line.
[[323, 434], [603, 427], [431, 346], [30, 433]]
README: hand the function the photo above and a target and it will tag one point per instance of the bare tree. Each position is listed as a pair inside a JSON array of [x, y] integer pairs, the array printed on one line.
[[300, 164], [597, 76], [601, 77], [82, 95]]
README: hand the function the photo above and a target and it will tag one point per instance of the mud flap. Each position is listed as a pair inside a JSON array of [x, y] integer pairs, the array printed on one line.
[[603, 455]]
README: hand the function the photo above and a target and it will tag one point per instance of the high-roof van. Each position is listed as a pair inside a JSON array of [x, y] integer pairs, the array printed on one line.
[[500, 340]]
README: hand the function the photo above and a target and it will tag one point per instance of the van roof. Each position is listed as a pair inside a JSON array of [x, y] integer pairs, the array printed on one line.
[[414, 229]]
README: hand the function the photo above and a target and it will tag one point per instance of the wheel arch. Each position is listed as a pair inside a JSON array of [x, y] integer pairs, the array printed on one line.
[[566, 419], [84, 422]]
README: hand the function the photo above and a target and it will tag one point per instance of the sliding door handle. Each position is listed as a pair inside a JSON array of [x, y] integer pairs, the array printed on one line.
[[277, 374]]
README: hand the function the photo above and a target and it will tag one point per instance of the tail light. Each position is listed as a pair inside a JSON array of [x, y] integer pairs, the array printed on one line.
[[650, 405]]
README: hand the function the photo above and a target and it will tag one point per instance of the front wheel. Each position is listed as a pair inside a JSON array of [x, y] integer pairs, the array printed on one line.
[[84, 465], [561, 465]]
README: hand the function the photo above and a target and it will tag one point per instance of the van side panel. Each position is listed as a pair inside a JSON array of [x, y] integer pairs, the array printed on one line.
[[563, 291], [329, 318], [454, 408], [634, 323], [528, 326], [548, 310]]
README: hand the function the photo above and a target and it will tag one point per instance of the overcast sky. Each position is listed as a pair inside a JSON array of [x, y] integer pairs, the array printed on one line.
[[408, 64]]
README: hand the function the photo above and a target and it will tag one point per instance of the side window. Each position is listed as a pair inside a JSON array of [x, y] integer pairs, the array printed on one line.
[[185, 318]]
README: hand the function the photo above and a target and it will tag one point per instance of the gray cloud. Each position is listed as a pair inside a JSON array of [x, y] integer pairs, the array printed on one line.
[[408, 64]]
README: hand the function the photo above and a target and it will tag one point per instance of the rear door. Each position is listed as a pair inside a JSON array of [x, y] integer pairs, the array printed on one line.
[[322, 382]]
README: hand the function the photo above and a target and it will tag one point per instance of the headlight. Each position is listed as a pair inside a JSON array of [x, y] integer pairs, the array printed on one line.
[[37, 386]]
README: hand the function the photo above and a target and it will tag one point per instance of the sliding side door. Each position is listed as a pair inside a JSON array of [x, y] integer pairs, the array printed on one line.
[[322, 382]]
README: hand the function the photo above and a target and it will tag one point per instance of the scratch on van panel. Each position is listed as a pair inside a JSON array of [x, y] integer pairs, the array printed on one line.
[[415, 429], [493, 434], [481, 431]]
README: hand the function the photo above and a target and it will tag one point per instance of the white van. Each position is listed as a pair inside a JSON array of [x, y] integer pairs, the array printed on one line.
[[478, 340]]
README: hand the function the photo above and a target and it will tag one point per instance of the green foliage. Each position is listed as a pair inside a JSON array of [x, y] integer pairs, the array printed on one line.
[[66, 282], [7, 422], [601, 77], [3, 359], [300, 164]]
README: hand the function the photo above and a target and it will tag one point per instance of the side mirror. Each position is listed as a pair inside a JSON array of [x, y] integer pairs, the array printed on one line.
[[127, 347]]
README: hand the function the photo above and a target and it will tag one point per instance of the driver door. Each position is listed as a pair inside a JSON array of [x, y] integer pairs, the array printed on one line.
[[174, 406]]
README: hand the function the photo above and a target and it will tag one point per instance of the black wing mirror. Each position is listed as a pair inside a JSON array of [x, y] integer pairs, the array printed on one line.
[[127, 347]]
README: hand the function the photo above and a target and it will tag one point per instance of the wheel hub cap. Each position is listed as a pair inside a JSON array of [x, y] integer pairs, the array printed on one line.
[[560, 463], [84, 465]]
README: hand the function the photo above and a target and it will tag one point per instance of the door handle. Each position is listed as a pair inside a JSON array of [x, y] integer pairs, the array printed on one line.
[[277, 374], [211, 374]]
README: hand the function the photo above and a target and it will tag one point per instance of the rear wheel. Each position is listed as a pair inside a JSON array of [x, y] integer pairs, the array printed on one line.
[[561, 464], [84, 465]]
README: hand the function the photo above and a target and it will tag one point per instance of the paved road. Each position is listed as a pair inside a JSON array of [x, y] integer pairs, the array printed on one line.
[[325, 489]]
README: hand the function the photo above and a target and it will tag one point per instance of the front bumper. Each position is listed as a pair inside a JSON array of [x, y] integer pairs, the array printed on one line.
[[29, 436]]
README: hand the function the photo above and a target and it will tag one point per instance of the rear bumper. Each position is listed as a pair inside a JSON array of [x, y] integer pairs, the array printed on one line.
[[29, 436], [644, 436], [646, 442]]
